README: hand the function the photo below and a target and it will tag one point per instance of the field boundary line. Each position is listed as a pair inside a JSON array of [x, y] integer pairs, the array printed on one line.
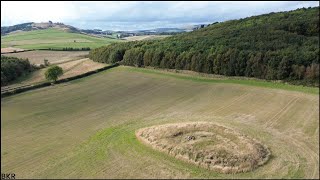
[[229, 80], [24, 88]]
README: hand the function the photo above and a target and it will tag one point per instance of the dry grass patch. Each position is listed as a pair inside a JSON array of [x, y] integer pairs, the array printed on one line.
[[83, 66], [208, 145]]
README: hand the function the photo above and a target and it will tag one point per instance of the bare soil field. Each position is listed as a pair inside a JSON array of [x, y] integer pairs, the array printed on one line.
[[37, 57], [86, 128]]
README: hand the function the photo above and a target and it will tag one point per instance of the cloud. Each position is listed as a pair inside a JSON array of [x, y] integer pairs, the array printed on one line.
[[130, 14]]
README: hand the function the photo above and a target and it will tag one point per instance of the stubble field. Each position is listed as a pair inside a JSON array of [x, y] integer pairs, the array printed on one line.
[[37, 57]]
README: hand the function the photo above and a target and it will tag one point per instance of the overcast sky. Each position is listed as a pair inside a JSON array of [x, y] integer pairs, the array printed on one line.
[[138, 15]]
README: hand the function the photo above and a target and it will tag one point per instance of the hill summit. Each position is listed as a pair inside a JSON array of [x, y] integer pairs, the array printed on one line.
[[37, 26]]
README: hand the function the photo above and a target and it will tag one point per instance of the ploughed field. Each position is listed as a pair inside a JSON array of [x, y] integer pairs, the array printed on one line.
[[87, 128]]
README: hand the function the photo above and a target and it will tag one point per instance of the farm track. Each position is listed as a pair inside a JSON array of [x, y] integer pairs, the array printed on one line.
[[87, 128]]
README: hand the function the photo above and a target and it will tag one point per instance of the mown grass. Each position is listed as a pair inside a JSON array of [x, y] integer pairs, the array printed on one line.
[[121, 138], [251, 82], [86, 128], [53, 38]]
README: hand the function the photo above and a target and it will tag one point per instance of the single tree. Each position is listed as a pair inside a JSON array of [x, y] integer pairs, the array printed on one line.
[[53, 73]]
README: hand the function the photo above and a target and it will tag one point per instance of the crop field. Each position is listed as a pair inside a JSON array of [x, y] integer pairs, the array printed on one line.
[[87, 128], [37, 57], [52, 38]]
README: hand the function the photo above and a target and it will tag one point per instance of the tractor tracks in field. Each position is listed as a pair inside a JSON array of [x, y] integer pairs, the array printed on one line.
[[236, 100], [280, 113], [311, 156]]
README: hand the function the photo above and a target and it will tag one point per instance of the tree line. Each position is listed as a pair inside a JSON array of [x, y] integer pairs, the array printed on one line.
[[274, 46], [13, 68], [68, 49]]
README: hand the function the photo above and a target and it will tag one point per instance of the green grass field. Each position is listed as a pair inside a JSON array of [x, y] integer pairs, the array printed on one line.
[[52, 38], [86, 128], [230, 79]]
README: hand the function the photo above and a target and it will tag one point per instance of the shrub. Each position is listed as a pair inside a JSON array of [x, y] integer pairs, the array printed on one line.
[[12, 68]]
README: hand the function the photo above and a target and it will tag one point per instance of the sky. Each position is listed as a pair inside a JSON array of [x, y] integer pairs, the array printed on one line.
[[135, 15]]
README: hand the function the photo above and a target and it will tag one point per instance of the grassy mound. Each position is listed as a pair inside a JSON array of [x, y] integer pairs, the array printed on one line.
[[208, 145]]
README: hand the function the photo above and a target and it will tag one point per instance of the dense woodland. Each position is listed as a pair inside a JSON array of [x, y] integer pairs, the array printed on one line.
[[12, 68], [274, 46]]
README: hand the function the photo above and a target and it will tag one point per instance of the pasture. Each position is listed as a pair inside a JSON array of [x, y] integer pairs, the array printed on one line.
[[52, 38], [86, 128]]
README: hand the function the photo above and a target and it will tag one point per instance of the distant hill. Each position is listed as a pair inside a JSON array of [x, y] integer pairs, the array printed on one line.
[[274, 46], [95, 32], [53, 38], [37, 26]]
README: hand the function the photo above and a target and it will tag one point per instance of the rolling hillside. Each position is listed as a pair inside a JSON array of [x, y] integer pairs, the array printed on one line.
[[86, 128], [36, 26], [274, 46], [54, 39]]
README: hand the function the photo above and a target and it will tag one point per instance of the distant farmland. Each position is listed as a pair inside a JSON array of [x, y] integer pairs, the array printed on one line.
[[37, 57], [86, 128], [52, 38]]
